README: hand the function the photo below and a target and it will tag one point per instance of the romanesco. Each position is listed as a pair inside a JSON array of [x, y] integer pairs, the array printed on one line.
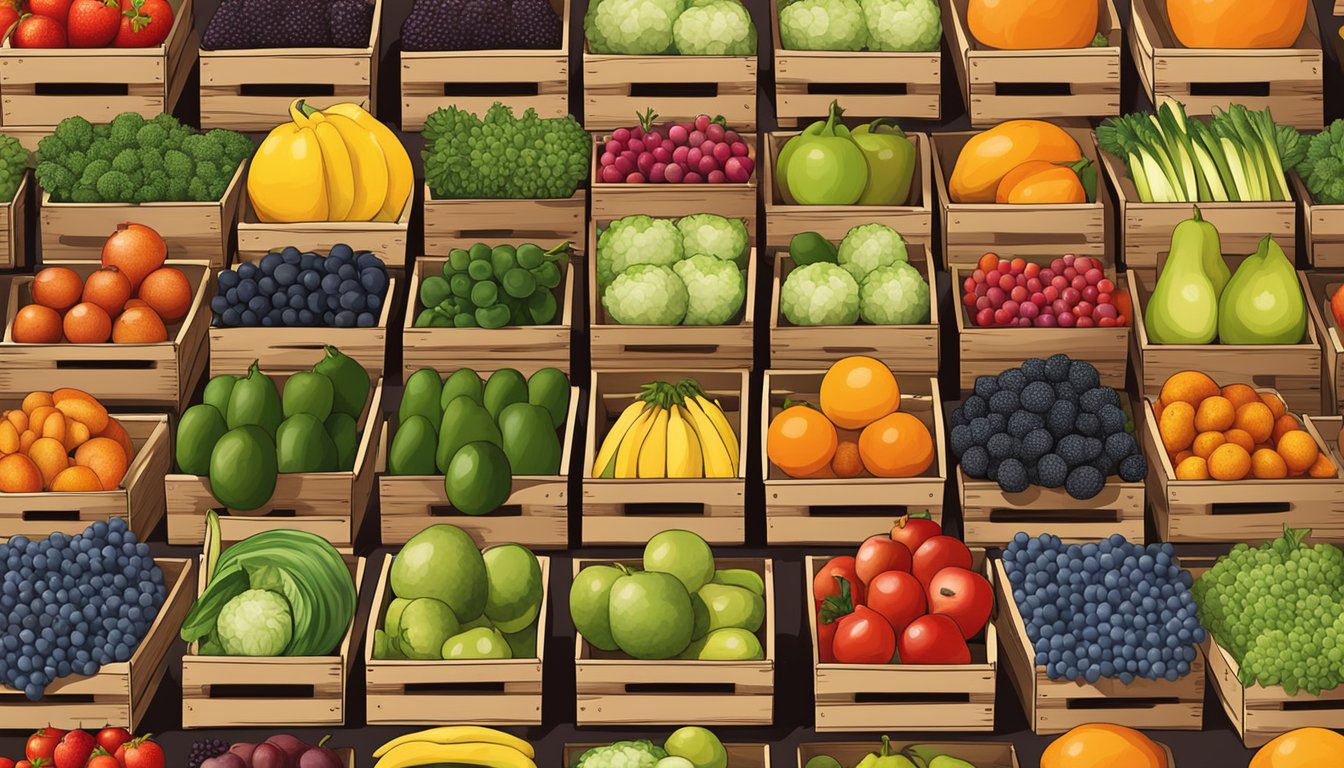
[[502, 156]]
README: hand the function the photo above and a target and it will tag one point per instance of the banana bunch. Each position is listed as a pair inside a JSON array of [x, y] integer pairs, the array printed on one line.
[[336, 164], [671, 430], [456, 745]]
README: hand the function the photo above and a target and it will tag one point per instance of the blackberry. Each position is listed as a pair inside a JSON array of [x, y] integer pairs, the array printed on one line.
[[428, 26], [975, 407], [960, 438], [349, 23], [1134, 468], [1057, 368], [1073, 449], [1083, 375], [1113, 419], [1087, 424], [204, 749], [1093, 400], [229, 29], [266, 23], [1022, 422], [975, 462], [1034, 369], [1005, 402], [304, 25], [986, 386], [483, 23], [1104, 464], [1065, 391], [1084, 482], [1036, 444], [981, 431], [998, 422], [1038, 396], [1012, 380], [1002, 446], [1033, 475], [1053, 470], [1061, 417], [1120, 446], [1092, 448], [1012, 476], [534, 25], [957, 418], [992, 472]]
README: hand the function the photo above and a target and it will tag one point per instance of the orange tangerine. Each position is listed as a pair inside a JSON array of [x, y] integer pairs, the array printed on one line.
[[1257, 420], [1177, 427], [857, 391], [1323, 467], [1283, 425], [50, 457], [1205, 442], [1229, 461], [1275, 405], [1188, 387], [76, 479], [1267, 464], [1240, 437], [18, 474], [1240, 394], [800, 441], [1299, 451], [1193, 468], [847, 462], [105, 457], [1214, 414]]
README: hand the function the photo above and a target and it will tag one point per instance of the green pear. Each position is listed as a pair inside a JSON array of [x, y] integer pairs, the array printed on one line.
[[1263, 302], [1183, 308]]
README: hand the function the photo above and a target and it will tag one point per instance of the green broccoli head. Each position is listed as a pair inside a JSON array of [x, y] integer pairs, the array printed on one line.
[[151, 136], [1322, 170], [177, 165], [56, 179], [13, 162], [124, 128], [127, 161], [116, 186], [73, 133]]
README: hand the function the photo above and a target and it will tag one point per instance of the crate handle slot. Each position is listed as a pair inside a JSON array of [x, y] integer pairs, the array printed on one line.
[[1251, 508], [50, 515], [448, 510], [261, 691], [227, 513], [661, 509], [674, 90], [674, 349], [491, 89], [931, 697], [680, 688], [1107, 702], [305, 347], [848, 350], [857, 89], [287, 90], [1005, 515], [82, 89], [499, 234], [1314, 705], [50, 699], [429, 689], [1033, 89], [107, 365], [82, 241], [1248, 88], [889, 511]]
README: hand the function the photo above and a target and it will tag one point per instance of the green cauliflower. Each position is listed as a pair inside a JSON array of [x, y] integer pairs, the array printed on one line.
[[258, 622], [646, 294], [716, 289], [635, 27], [717, 28], [714, 236], [869, 246], [1322, 170], [636, 240], [820, 294], [823, 25], [622, 754], [894, 295], [902, 25]]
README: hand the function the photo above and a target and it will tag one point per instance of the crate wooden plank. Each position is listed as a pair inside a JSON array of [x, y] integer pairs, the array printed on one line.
[[1261, 713], [14, 225], [846, 511], [1321, 285], [613, 201], [992, 516], [1322, 228], [453, 224], [615, 689], [981, 754], [739, 755], [385, 239], [677, 88]]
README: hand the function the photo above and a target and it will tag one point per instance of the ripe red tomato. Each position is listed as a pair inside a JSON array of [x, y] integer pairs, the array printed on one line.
[[914, 531], [103, 760], [899, 597], [43, 744], [825, 642], [74, 749], [112, 738], [142, 753], [824, 584], [144, 23], [937, 553], [879, 554], [864, 637], [933, 639], [964, 596], [5, 762]]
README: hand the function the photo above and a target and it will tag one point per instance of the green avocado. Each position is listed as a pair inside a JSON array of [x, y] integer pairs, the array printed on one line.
[[421, 396], [243, 468], [344, 433], [464, 421], [217, 391], [349, 381], [198, 431], [477, 480], [303, 445], [255, 400], [505, 387], [529, 440], [307, 392], [463, 381], [549, 388], [413, 447]]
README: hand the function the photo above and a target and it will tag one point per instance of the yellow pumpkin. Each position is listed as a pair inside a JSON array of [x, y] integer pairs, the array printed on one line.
[[989, 155], [1237, 23], [1016, 25]]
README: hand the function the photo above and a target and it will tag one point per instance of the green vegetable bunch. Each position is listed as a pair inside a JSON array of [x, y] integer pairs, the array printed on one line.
[[484, 287], [503, 157], [1322, 169], [856, 25], [13, 161], [622, 754]]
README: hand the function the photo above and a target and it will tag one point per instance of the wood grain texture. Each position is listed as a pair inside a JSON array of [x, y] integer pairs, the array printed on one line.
[[1261, 713], [386, 239], [992, 516], [1322, 226], [14, 225], [453, 224], [1321, 285], [614, 201], [611, 82]]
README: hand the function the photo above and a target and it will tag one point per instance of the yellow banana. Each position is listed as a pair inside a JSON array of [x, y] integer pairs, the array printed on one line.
[[683, 447], [400, 173], [717, 461], [715, 414], [286, 180], [605, 460], [653, 453], [461, 734], [340, 174], [369, 164], [627, 456], [483, 754]]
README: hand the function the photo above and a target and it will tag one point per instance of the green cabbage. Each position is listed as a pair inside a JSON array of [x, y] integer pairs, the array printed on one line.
[[820, 294], [903, 25], [894, 295], [646, 294]]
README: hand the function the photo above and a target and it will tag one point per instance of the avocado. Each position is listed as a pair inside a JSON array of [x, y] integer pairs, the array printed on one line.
[[217, 391], [549, 388], [243, 468], [198, 431], [303, 445], [413, 446], [344, 433], [463, 381], [307, 392], [349, 381], [529, 440], [505, 387], [477, 480], [464, 421], [421, 396], [254, 400]]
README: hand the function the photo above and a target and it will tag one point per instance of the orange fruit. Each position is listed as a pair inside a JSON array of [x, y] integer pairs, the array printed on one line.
[[846, 462], [18, 474], [136, 250], [1323, 467], [896, 445], [87, 323], [57, 287], [1240, 394], [1283, 425], [76, 479], [1214, 414], [76, 434], [1240, 437], [168, 292], [1097, 745], [116, 431], [107, 288], [26, 440], [82, 407], [1267, 464], [1301, 748], [1257, 421], [139, 325], [132, 303], [1276, 405], [9, 438], [857, 391], [36, 324], [800, 441], [18, 418], [104, 456], [50, 457], [1299, 450], [1182, 456], [1205, 442], [1158, 406], [54, 426], [1177, 427], [1188, 387], [34, 399], [1229, 461], [1193, 468]]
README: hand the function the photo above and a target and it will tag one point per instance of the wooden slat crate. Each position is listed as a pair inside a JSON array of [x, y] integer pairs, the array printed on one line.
[[981, 754], [288, 350], [970, 230], [1321, 286], [156, 376], [928, 698], [525, 347], [630, 510], [615, 689], [1288, 80], [1002, 85], [739, 755], [474, 80], [1056, 706], [139, 500], [782, 221], [251, 90], [1292, 369], [613, 201], [1261, 713], [840, 510], [328, 504], [120, 692], [617, 87], [1322, 228], [14, 226], [385, 239], [489, 692], [271, 691], [41, 87], [991, 516], [536, 514], [192, 231], [453, 224]]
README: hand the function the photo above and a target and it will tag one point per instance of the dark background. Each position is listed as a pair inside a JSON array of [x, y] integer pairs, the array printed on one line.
[[1217, 746]]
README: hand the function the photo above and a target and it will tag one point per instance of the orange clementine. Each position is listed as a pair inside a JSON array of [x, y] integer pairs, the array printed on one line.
[[1182, 456], [1267, 464], [1229, 461], [1275, 405], [9, 438], [1240, 437], [76, 479], [1192, 468], [26, 440], [76, 434], [104, 456], [116, 431], [109, 289], [57, 287], [896, 445], [1097, 745], [1299, 450], [1214, 414], [1283, 425], [18, 418], [133, 303], [857, 391], [79, 406], [1256, 420], [54, 426], [34, 399], [1323, 467], [1205, 442], [138, 325], [1240, 394], [38, 418], [168, 292], [1177, 427], [18, 474], [51, 458], [847, 462], [36, 324], [1188, 387], [87, 323], [800, 441]]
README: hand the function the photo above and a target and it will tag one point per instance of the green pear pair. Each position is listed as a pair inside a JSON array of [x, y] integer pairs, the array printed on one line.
[[913, 756]]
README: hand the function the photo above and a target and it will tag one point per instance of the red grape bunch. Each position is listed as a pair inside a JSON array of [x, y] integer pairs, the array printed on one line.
[[1073, 292], [702, 151]]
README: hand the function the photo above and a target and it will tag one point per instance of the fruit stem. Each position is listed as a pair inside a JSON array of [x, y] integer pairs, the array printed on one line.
[[886, 746], [1198, 216], [886, 123], [832, 118], [646, 119], [836, 606], [324, 740]]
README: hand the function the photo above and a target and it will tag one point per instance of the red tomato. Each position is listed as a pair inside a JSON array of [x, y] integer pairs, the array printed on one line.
[[937, 553], [103, 760], [864, 637], [825, 642], [879, 554], [5, 762], [964, 596], [824, 584], [914, 531], [43, 744], [144, 23], [933, 639], [74, 749], [26, 764], [899, 597], [142, 753], [111, 738]]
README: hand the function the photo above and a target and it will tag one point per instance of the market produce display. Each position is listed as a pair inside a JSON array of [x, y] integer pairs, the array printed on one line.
[[1237, 23], [289, 289], [1017, 25], [858, 428], [279, 751], [87, 23], [110, 747], [491, 287], [670, 430], [1322, 167], [648, 27], [686, 271], [855, 25], [459, 25], [699, 151], [243, 24], [335, 164], [678, 607], [868, 278], [829, 164], [888, 756], [501, 156], [134, 160], [62, 442], [245, 434], [1072, 292], [1029, 162], [1300, 748], [1102, 745], [452, 602], [466, 745], [689, 747], [1049, 423], [105, 610]]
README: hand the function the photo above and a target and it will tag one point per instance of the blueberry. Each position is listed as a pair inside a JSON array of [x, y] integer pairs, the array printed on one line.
[[332, 265], [270, 261], [373, 280], [333, 302], [259, 303], [367, 259], [296, 303], [345, 319], [286, 274], [309, 261], [316, 303], [374, 302], [348, 286], [290, 317], [267, 286], [247, 289], [249, 317], [296, 289], [341, 251], [311, 280], [307, 317], [219, 304], [291, 255], [228, 279], [266, 322], [279, 300], [248, 271], [230, 317], [366, 320], [348, 272], [353, 301], [331, 284], [329, 318]]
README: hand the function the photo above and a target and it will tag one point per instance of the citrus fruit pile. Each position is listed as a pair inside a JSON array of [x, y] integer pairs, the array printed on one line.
[[62, 441]]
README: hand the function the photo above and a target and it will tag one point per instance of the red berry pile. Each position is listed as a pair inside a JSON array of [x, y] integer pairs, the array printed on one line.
[[1073, 292], [702, 151]]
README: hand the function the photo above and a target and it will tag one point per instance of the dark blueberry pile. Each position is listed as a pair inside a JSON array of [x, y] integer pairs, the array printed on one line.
[[473, 25], [205, 749], [70, 604], [287, 288], [1049, 423], [243, 24], [1110, 609]]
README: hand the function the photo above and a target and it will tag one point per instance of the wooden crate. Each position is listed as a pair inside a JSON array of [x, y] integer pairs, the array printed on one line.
[[970, 230], [1321, 286], [1145, 228], [474, 80], [536, 514], [615, 689], [846, 511], [908, 697], [120, 692], [385, 239], [193, 231], [271, 691], [990, 351], [139, 500], [1288, 80], [1261, 713], [327, 504], [613, 201], [991, 516], [981, 754], [782, 221], [453, 224], [1292, 369], [677, 88], [490, 692], [41, 87], [232, 350], [157, 376], [629, 511], [1002, 85], [525, 347], [1056, 706], [739, 755], [1322, 228], [14, 226], [251, 89]]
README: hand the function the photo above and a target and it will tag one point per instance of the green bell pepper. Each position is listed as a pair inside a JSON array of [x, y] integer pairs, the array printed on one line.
[[826, 167], [891, 162]]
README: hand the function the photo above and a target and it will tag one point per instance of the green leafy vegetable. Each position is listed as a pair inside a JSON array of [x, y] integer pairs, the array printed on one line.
[[503, 157], [1322, 165]]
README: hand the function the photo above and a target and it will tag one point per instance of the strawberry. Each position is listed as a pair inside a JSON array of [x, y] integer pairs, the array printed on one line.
[[74, 749], [34, 31], [52, 9], [93, 23], [144, 23]]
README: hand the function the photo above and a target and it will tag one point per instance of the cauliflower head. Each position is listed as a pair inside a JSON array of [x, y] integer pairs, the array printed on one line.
[[646, 294], [622, 754], [714, 236], [869, 246], [820, 294], [902, 25], [635, 27], [894, 295], [823, 25], [715, 289], [717, 28], [636, 240], [257, 622]]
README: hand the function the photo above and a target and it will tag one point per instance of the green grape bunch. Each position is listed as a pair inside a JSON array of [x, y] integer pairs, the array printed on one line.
[[491, 287], [503, 157]]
